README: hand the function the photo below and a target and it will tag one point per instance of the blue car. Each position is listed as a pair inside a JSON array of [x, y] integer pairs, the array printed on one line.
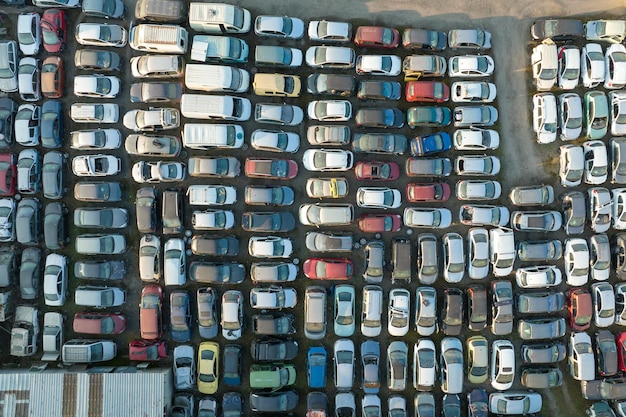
[[51, 124], [430, 144], [316, 367], [232, 365]]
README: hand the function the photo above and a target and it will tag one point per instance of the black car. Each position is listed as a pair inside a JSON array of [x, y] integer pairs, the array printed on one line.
[[379, 90], [232, 405], [232, 365], [280, 221], [273, 402], [557, 29], [317, 401], [477, 403], [215, 245], [217, 272], [429, 40], [7, 118], [54, 231], [155, 92], [380, 118], [331, 84], [105, 270], [91, 59], [452, 311], [8, 266], [146, 209], [273, 324], [270, 349], [606, 352]]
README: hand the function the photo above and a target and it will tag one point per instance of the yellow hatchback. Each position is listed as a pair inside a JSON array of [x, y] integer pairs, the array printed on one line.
[[208, 365]]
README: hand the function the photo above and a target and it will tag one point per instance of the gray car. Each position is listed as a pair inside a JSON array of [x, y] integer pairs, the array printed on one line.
[[543, 353], [397, 365], [27, 221], [8, 266], [618, 160], [374, 262], [273, 324], [98, 191], [387, 143], [328, 242], [146, 209], [427, 259], [105, 270], [153, 145], [171, 212], [532, 195], [534, 329], [215, 245], [30, 273], [281, 221], [574, 213], [540, 302], [606, 353], [270, 349], [52, 175], [54, 231], [264, 195], [104, 8], [217, 272], [7, 117], [428, 167], [501, 307], [155, 92], [101, 217], [370, 364], [331, 84], [100, 244], [541, 378], [227, 167], [540, 250], [207, 312], [274, 402], [91, 59]]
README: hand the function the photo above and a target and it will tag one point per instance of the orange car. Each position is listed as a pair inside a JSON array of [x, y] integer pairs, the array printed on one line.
[[52, 77]]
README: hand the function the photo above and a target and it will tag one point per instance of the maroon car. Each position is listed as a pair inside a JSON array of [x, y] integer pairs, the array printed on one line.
[[620, 341], [8, 174], [377, 170], [147, 350], [427, 92], [328, 268], [99, 323], [377, 37], [580, 309], [279, 169], [427, 192], [375, 223], [53, 30]]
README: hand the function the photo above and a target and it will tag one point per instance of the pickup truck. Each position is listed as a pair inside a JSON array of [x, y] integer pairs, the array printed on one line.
[[25, 331]]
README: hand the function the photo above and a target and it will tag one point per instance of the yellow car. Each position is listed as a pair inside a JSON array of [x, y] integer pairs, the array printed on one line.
[[208, 365]]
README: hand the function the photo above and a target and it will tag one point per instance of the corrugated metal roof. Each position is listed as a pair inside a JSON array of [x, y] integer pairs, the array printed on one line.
[[57, 393]]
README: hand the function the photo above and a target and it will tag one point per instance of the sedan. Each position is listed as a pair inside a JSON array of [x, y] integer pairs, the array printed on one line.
[[157, 172], [91, 59], [281, 169], [105, 270], [275, 141], [155, 92], [453, 257], [389, 65], [473, 91], [272, 298], [576, 259], [619, 208], [378, 197], [152, 120], [386, 143], [569, 67], [100, 244], [101, 218], [478, 253], [52, 77], [600, 212], [29, 33], [96, 86], [370, 364], [424, 365], [596, 114], [96, 165], [477, 165], [538, 221], [398, 315], [603, 304], [52, 175], [184, 367], [95, 139], [51, 124], [484, 215], [376, 171], [596, 162], [330, 110], [427, 92], [544, 117], [150, 145], [427, 116], [27, 124], [180, 314], [532, 195], [477, 359], [382, 118], [538, 276], [592, 65], [570, 116], [53, 30], [208, 367], [344, 311], [571, 165], [615, 66], [326, 214], [55, 280], [327, 187], [475, 116], [279, 27], [535, 329], [514, 403], [618, 112], [438, 218], [343, 362], [397, 365], [471, 66], [330, 57], [329, 31], [611, 31], [451, 365], [270, 247], [328, 269], [502, 365], [327, 160], [29, 79]]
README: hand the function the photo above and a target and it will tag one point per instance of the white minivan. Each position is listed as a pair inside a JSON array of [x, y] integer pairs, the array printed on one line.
[[219, 18]]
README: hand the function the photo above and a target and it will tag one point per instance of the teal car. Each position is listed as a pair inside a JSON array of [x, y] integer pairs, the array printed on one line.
[[428, 116], [596, 114]]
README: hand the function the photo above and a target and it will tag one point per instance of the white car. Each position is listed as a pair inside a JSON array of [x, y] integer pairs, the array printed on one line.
[[603, 304], [279, 27], [101, 34], [28, 79], [473, 91], [571, 165], [327, 160], [477, 253], [502, 251], [596, 162], [502, 365], [569, 67], [158, 171], [615, 67], [378, 197], [438, 218], [617, 101], [96, 165], [344, 317], [330, 110], [611, 31], [398, 315], [95, 112], [599, 205], [483, 215], [55, 280], [471, 66], [213, 219], [592, 65], [475, 139], [211, 195], [477, 165], [7, 220], [149, 258], [389, 65], [174, 262], [453, 257], [619, 208], [329, 31], [581, 360], [231, 318], [475, 116], [425, 310], [543, 276], [184, 367], [343, 362], [478, 190], [424, 365], [97, 86], [570, 113], [270, 247], [275, 141], [451, 365], [576, 258], [95, 139], [330, 57], [272, 298], [27, 125], [544, 117], [278, 114], [29, 33], [620, 304]]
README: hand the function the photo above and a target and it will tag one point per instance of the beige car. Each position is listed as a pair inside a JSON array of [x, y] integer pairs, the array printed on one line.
[[277, 85]]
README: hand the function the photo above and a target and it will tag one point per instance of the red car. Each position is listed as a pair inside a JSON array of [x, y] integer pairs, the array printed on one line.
[[377, 170], [8, 174], [377, 37], [52, 77], [150, 312], [279, 169], [380, 223], [147, 350], [427, 192], [580, 309], [427, 92], [328, 268], [99, 323], [53, 30], [620, 340]]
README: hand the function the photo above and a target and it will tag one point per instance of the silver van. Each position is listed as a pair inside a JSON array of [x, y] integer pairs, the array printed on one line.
[[315, 312]]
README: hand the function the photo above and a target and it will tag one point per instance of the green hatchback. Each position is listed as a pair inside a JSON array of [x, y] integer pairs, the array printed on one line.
[[596, 114]]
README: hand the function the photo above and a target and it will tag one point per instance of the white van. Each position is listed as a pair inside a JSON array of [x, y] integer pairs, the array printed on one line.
[[163, 39], [216, 78], [544, 61], [198, 106], [208, 136], [219, 18]]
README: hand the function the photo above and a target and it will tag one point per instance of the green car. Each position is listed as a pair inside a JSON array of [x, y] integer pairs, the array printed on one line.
[[596, 114], [428, 116]]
